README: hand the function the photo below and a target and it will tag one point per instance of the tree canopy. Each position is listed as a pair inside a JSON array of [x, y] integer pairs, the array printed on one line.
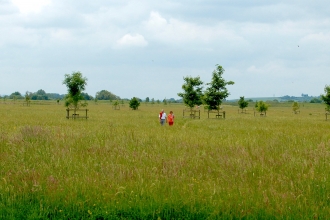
[[192, 91], [217, 91], [87, 96], [106, 95], [39, 95], [326, 97], [261, 107], [295, 107], [242, 104], [134, 103], [16, 95], [75, 84]]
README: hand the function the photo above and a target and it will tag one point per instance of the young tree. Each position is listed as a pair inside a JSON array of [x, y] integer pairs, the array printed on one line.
[[192, 91], [262, 107], [295, 107], [134, 103], [116, 105], [326, 97], [75, 83], [217, 91], [242, 103], [165, 101], [147, 99], [152, 101], [27, 98]]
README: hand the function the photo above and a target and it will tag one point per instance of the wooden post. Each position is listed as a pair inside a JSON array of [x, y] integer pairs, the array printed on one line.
[[224, 114], [67, 113]]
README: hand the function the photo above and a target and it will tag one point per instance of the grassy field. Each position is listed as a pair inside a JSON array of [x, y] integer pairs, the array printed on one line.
[[121, 164]]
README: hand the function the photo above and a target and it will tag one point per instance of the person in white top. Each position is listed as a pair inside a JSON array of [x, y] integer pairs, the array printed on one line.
[[162, 117]]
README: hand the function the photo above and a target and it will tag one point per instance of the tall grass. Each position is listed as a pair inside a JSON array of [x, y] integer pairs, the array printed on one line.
[[121, 164]]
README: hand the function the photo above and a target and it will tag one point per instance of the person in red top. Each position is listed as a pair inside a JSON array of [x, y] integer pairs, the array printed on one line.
[[170, 118]]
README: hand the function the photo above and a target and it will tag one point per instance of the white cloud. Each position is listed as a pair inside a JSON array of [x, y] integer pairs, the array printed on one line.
[[323, 38], [175, 31], [136, 40], [27, 6]]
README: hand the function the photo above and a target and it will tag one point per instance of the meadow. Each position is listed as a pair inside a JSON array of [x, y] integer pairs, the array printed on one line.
[[121, 164]]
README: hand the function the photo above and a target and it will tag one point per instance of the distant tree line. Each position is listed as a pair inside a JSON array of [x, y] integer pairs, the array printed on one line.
[[42, 95]]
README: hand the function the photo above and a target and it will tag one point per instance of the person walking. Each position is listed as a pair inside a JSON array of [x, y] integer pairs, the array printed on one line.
[[170, 118], [162, 117]]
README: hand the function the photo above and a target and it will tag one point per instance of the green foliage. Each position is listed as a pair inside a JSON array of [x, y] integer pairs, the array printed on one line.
[[27, 97], [84, 104], [147, 99], [316, 100], [106, 95], [87, 96], [192, 94], [152, 101], [262, 107], [242, 103], [295, 106], [15, 95], [134, 103], [39, 95], [116, 104], [217, 91], [326, 97], [75, 84], [165, 101]]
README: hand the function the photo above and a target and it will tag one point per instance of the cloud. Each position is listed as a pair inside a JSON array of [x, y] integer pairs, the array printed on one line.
[[136, 40], [178, 32], [28, 6]]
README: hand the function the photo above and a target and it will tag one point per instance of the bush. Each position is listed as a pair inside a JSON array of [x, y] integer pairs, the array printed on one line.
[[134, 103]]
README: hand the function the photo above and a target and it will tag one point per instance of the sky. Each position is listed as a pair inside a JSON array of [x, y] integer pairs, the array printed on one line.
[[144, 48]]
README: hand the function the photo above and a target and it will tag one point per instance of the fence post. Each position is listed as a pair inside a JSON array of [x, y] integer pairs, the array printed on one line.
[[67, 113]]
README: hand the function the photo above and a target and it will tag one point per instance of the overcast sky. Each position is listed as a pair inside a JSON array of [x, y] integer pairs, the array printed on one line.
[[144, 48]]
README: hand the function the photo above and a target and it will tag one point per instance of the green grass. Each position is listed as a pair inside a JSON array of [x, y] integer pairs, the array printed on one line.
[[121, 164]]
